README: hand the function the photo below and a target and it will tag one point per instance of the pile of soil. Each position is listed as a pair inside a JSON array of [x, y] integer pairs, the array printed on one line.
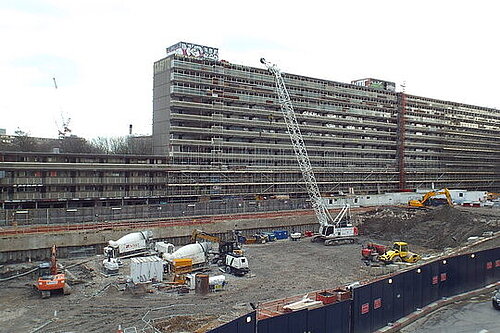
[[437, 228], [186, 324]]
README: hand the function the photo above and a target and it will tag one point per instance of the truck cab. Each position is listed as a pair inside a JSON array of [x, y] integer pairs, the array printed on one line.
[[401, 247]]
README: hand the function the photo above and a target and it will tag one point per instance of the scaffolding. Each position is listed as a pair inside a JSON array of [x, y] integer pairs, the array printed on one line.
[[350, 131]]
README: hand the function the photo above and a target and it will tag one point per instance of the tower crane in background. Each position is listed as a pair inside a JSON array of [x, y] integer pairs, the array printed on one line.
[[332, 230], [62, 127]]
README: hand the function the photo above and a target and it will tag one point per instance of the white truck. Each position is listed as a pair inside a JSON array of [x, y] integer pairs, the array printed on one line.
[[129, 245], [198, 252]]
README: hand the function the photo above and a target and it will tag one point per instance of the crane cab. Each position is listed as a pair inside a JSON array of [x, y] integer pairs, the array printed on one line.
[[48, 282], [44, 269]]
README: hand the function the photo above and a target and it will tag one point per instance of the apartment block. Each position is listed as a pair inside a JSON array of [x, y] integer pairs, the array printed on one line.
[[219, 134], [362, 136]]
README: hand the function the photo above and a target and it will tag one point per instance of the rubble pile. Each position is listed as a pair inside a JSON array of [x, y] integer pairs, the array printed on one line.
[[176, 324], [437, 228]]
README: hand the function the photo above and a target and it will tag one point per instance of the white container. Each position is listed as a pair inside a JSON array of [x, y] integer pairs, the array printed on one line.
[[144, 269], [216, 280]]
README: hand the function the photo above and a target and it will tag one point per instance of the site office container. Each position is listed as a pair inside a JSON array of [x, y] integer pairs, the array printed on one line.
[[281, 234]]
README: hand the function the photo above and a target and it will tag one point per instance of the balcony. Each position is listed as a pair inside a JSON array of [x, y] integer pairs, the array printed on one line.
[[113, 180], [21, 181]]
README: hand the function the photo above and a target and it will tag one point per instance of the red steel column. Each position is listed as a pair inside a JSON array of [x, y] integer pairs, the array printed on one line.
[[401, 140]]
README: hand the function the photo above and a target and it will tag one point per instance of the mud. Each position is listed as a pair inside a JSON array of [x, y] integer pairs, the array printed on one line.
[[437, 228], [279, 269]]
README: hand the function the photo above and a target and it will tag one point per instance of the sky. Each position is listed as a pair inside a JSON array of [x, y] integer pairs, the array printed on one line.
[[101, 52]]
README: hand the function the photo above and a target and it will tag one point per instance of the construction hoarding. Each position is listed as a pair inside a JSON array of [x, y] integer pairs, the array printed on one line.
[[381, 302]]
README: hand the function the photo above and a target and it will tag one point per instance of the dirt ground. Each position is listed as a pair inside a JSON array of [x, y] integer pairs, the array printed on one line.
[[278, 269], [437, 228]]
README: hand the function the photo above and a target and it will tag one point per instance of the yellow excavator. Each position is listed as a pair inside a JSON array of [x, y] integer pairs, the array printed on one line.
[[426, 199]]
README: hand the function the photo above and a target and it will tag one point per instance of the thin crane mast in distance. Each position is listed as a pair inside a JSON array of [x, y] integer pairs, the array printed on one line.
[[63, 127]]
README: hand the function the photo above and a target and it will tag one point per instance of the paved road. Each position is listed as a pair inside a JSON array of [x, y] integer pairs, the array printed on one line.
[[471, 316]]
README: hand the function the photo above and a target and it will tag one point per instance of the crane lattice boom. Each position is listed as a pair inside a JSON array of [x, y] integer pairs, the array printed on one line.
[[322, 214]]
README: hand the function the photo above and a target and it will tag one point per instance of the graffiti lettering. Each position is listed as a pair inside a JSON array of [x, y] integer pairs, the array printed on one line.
[[194, 50]]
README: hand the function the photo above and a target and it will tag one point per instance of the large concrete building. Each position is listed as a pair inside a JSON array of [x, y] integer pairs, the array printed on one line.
[[362, 136], [219, 134]]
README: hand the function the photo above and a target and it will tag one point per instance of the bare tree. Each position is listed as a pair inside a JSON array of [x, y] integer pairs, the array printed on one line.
[[123, 145], [75, 144], [140, 145], [23, 141]]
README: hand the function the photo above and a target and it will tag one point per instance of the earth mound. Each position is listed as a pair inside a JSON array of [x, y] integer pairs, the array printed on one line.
[[437, 228]]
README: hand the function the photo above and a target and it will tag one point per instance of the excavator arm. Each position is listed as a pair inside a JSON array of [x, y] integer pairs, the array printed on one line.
[[198, 234], [427, 196], [448, 197], [431, 194], [53, 261]]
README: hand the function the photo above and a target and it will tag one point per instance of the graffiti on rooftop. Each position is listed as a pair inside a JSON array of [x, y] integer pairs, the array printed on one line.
[[194, 50]]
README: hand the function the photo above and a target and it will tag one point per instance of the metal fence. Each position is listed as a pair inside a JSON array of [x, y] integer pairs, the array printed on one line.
[[73, 215], [384, 301], [244, 324]]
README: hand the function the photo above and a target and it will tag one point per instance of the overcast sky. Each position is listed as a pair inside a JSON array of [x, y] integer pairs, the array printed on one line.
[[101, 52]]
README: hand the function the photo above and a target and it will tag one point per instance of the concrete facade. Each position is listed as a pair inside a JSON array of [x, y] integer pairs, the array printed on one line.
[[370, 140]]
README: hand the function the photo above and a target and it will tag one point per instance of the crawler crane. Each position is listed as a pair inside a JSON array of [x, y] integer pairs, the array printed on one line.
[[331, 230]]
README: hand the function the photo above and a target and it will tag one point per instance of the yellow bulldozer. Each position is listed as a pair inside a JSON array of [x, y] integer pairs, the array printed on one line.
[[399, 253]]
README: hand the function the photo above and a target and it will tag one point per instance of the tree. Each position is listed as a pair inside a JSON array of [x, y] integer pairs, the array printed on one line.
[[75, 144], [23, 141], [123, 145], [110, 145]]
